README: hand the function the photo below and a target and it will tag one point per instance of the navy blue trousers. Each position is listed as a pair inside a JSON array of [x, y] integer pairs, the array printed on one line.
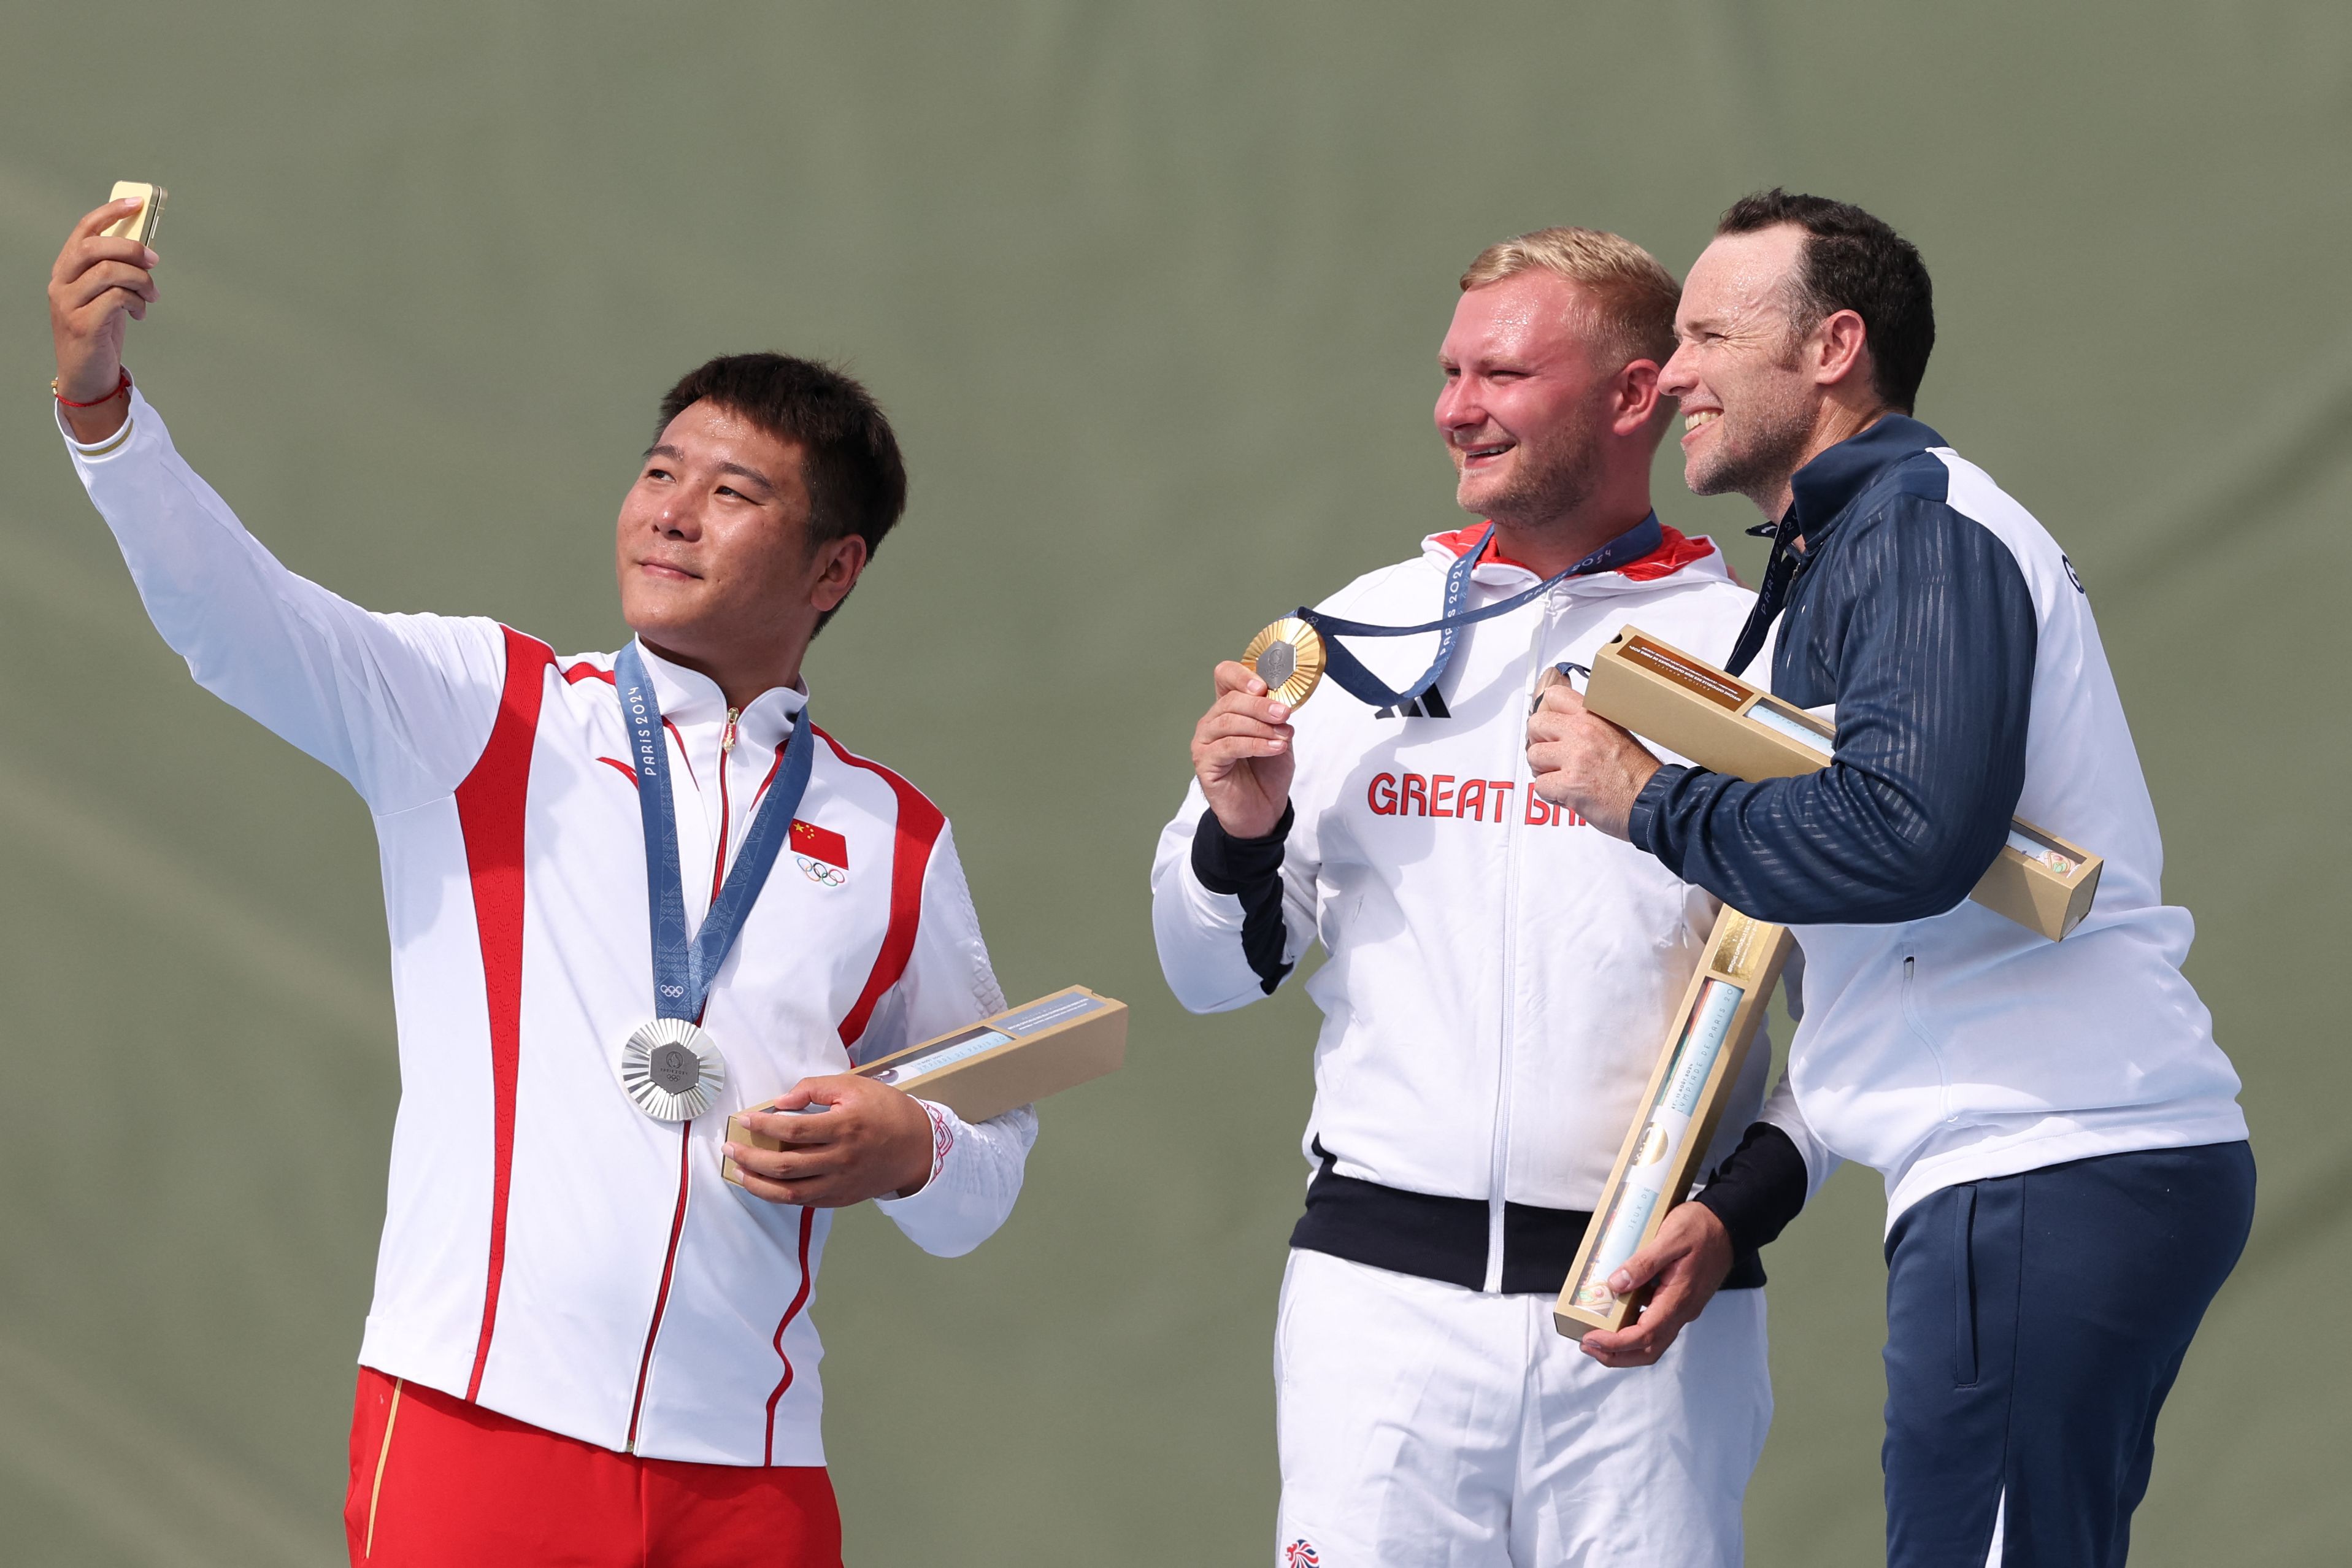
[[2035, 1324]]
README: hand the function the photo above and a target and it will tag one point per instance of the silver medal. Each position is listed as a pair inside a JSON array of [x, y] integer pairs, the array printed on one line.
[[672, 1069]]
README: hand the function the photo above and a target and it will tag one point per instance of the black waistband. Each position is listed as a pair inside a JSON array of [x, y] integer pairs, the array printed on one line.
[[1444, 1238]]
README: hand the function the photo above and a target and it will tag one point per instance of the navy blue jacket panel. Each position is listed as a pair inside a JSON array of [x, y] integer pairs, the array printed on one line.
[[1915, 621]]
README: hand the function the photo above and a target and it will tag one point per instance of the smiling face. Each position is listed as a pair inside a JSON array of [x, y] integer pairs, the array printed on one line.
[[1749, 399], [1523, 409], [716, 564]]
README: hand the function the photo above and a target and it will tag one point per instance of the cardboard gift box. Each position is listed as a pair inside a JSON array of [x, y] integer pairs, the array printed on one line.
[[1726, 726], [1696, 1074], [1017, 1056]]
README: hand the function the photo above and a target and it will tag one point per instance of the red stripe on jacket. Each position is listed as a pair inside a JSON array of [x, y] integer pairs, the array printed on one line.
[[490, 817], [670, 1271], [919, 826], [799, 1300], [1675, 551]]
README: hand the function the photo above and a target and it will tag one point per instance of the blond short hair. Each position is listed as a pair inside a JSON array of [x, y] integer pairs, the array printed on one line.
[[1632, 299]]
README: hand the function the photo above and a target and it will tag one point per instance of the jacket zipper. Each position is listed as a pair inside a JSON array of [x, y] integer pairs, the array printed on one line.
[[1919, 1032], [661, 1296], [1514, 830], [686, 1131], [726, 754]]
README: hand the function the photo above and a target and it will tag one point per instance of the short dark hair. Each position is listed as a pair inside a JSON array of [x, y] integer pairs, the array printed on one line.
[[857, 480], [1853, 261]]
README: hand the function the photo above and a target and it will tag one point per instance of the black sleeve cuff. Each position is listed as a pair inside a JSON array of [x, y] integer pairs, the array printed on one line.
[[1229, 865], [1758, 1189], [1251, 870]]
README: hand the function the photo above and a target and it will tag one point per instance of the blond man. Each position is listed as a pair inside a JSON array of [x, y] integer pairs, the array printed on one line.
[[1499, 977]]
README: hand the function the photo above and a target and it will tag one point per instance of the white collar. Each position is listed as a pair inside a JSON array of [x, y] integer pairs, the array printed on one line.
[[689, 696]]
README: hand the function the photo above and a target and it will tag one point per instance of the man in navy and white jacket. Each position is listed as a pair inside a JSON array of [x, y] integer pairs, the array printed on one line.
[[1500, 979], [2067, 1173]]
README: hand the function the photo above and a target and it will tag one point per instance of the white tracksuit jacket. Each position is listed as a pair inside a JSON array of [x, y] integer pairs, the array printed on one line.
[[1500, 977], [549, 1251]]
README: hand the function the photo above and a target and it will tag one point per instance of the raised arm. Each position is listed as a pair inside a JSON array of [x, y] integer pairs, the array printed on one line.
[[100, 284], [1232, 900], [400, 705]]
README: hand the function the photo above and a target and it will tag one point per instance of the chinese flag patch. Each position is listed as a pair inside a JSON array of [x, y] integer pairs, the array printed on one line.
[[820, 844]]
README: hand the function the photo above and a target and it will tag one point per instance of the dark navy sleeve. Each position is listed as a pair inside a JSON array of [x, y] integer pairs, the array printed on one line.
[[1925, 628]]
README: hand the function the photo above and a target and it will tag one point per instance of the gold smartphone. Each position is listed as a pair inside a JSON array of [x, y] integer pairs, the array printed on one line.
[[141, 225]]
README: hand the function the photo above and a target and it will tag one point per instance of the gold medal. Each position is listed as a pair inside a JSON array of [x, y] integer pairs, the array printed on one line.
[[1288, 657]]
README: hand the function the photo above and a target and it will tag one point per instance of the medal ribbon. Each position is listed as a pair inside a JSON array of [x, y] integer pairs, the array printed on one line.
[[1641, 539], [683, 971], [1779, 571]]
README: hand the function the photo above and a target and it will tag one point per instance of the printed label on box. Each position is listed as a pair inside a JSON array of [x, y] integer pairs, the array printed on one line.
[[1687, 673], [1740, 945]]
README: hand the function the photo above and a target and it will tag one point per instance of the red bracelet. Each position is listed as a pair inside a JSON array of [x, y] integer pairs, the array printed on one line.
[[120, 387]]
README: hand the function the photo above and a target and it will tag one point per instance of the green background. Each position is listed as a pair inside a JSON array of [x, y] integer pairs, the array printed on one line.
[[1153, 292]]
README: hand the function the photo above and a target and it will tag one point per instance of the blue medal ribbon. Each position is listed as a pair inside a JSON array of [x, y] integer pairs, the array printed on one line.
[[683, 971], [1643, 537]]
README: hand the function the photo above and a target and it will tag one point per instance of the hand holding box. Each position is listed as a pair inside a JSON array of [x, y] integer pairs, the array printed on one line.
[[1012, 1059], [1695, 1075]]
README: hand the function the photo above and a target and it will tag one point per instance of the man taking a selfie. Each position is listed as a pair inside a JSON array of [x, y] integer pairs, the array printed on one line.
[[628, 894]]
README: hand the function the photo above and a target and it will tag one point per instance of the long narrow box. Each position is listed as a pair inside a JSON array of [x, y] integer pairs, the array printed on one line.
[[1695, 1075], [1726, 726], [1042, 1048]]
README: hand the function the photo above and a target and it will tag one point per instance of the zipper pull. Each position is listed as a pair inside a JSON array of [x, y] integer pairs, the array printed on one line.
[[727, 736]]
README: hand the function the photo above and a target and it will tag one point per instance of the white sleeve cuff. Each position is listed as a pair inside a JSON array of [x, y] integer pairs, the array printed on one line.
[[948, 1130], [99, 451], [975, 1177], [943, 1136]]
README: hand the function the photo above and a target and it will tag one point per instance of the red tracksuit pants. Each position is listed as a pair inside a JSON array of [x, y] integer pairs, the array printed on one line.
[[439, 1483]]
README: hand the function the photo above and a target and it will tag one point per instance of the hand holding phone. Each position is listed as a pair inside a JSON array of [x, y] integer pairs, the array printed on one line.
[[104, 275]]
